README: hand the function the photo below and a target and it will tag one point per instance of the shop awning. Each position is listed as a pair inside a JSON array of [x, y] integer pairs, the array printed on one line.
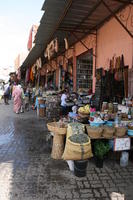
[[73, 19]]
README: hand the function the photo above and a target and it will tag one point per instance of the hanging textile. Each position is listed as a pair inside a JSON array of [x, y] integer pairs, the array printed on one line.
[[19, 74], [27, 77], [66, 43], [31, 75]]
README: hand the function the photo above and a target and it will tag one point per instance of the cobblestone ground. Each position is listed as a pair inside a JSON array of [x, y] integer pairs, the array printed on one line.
[[27, 171]]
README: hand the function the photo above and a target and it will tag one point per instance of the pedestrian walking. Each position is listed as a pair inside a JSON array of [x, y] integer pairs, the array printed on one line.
[[27, 102], [17, 98]]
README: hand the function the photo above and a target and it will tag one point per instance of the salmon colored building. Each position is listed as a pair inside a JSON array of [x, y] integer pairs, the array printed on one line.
[[101, 39]]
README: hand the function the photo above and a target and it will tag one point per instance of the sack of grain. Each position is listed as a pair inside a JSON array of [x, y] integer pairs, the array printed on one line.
[[78, 147], [75, 128]]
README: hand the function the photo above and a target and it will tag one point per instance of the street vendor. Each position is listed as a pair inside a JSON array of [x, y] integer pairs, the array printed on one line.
[[64, 97]]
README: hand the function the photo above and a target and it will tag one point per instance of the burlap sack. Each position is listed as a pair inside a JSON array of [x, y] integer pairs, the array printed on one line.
[[76, 151], [73, 130], [58, 146]]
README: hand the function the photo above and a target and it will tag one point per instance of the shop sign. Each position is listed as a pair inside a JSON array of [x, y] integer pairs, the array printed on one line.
[[121, 144]]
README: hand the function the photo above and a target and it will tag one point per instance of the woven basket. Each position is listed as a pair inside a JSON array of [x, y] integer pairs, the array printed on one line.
[[54, 127], [120, 131], [83, 115], [58, 147], [94, 132], [108, 132]]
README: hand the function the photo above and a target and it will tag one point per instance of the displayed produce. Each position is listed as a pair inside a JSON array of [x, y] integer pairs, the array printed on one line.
[[53, 108], [101, 148], [79, 138], [96, 121], [75, 128], [84, 109]]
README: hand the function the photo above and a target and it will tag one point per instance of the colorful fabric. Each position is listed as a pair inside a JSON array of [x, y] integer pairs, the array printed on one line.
[[17, 98], [31, 75], [27, 77]]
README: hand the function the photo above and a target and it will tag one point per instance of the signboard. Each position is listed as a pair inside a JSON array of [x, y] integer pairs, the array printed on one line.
[[121, 144]]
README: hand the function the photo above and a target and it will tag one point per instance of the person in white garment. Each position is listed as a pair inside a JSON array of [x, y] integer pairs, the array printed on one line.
[[63, 103]]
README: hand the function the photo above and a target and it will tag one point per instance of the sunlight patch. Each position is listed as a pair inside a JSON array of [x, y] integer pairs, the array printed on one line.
[[117, 196], [6, 173]]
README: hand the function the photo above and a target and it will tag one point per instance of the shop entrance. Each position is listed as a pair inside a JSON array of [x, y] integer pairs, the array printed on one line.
[[85, 70], [51, 79]]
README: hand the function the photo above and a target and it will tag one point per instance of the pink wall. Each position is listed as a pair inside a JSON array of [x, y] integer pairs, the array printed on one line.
[[113, 40]]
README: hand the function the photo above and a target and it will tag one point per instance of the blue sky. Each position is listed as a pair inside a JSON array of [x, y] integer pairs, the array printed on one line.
[[16, 19]]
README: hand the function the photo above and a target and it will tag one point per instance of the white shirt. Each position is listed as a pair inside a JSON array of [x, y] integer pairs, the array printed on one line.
[[6, 88], [63, 99]]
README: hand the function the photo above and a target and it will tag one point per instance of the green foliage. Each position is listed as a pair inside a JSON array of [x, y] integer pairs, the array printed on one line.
[[101, 148]]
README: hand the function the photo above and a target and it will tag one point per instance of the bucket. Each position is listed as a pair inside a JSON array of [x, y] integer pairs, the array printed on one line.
[[124, 159], [80, 167]]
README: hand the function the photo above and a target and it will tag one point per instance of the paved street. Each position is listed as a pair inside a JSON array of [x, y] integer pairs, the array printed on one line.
[[27, 171]]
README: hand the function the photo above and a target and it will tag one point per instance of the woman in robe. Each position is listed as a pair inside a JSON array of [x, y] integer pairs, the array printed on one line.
[[17, 98]]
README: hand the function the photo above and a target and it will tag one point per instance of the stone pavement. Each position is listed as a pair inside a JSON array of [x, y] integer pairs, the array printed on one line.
[[27, 171]]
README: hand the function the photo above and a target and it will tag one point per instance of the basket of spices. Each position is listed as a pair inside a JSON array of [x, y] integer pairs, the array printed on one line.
[[57, 127], [78, 147], [94, 132], [120, 131], [108, 132]]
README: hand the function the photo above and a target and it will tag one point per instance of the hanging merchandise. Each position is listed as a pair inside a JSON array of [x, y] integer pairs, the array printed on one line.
[[56, 45], [43, 71], [117, 67], [66, 43], [39, 63], [27, 77], [33, 69], [31, 75], [52, 47], [19, 74]]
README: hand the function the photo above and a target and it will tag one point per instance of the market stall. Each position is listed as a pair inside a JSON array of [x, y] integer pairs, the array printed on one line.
[[109, 129]]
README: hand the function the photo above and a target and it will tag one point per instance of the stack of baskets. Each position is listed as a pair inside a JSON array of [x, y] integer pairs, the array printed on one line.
[[59, 131], [120, 131], [57, 128], [108, 132], [94, 132], [105, 132]]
